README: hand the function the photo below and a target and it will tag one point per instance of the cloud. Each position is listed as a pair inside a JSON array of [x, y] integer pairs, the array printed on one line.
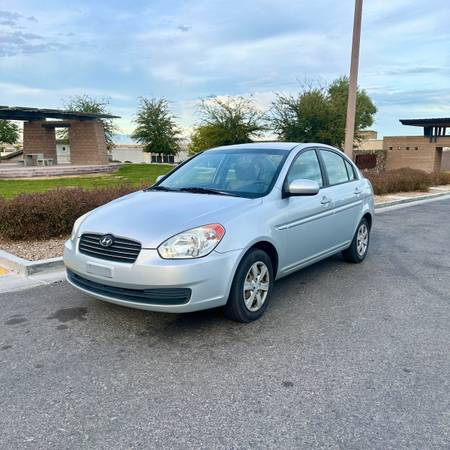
[[19, 42], [11, 18], [10, 15], [416, 97], [7, 22], [189, 50], [411, 70], [184, 28]]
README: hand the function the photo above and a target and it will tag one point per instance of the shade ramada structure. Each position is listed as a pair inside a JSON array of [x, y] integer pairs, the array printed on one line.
[[86, 134], [432, 128]]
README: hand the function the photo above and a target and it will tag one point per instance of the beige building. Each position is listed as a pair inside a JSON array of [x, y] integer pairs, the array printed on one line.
[[133, 153], [429, 152], [369, 141]]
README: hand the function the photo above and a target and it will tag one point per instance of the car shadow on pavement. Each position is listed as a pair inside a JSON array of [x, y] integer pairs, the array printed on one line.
[[212, 322]]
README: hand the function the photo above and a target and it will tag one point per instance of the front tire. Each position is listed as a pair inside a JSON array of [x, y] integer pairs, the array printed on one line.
[[251, 288], [357, 251]]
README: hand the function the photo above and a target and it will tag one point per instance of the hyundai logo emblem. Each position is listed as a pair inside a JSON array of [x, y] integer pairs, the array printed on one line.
[[106, 241]]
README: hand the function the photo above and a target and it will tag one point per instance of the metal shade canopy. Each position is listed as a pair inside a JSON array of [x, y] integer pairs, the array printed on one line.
[[436, 122], [26, 113], [432, 128]]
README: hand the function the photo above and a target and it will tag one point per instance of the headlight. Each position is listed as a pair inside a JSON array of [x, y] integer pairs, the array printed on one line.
[[193, 243], [76, 225]]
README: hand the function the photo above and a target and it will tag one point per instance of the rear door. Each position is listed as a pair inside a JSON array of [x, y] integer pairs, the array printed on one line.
[[344, 191]]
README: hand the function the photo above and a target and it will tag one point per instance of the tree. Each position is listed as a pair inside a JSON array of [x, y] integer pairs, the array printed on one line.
[[9, 132], [85, 103], [365, 110], [156, 127], [226, 121], [318, 114]]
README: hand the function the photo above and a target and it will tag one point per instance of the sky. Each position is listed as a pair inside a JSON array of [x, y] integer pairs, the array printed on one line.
[[185, 50]]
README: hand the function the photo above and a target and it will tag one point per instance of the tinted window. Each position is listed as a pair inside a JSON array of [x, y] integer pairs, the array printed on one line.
[[335, 165], [307, 167], [247, 173]]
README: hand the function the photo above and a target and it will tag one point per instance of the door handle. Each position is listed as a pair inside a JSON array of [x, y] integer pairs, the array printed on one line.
[[358, 191], [325, 201]]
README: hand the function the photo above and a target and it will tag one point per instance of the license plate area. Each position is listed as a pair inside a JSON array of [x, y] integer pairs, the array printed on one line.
[[98, 269]]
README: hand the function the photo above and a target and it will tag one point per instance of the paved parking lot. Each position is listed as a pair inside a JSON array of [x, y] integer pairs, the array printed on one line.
[[347, 356]]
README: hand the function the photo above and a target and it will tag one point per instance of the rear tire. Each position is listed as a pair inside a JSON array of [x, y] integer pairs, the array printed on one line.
[[357, 251], [251, 288]]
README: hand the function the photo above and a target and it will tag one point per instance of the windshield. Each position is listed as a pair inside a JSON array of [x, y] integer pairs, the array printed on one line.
[[246, 173]]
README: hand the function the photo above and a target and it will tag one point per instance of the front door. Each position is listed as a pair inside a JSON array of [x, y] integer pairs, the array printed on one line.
[[309, 218]]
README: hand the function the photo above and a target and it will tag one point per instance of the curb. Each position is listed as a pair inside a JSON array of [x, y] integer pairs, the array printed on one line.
[[26, 268], [411, 200]]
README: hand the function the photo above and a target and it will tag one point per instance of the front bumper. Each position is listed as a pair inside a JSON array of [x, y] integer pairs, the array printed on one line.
[[208, 279]]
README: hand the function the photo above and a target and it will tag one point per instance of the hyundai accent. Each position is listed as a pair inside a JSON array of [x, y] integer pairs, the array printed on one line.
[[220, 228]]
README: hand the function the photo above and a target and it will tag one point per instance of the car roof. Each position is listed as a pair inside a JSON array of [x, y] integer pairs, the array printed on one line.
[[287, 146]]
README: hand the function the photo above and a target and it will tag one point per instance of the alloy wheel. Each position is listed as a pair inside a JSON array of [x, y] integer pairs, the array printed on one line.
[[256, 286], [362, 240]]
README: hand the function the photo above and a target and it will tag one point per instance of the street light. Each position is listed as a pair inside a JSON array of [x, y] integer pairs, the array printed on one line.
[[353, 81]]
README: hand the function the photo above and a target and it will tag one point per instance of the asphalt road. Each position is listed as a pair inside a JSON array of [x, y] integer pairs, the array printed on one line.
[[347, 356]]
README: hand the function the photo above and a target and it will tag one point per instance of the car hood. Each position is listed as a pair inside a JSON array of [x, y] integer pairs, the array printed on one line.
[[151, 217]]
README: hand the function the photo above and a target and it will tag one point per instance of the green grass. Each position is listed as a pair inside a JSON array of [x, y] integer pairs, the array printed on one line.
[[136, 174]]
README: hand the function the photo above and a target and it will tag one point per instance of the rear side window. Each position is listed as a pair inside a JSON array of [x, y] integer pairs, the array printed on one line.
[[335, 166], [306, 167], [350, 171]]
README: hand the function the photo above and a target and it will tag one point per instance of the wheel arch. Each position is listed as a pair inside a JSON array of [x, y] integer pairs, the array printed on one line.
[[271, 251], [369, 218]]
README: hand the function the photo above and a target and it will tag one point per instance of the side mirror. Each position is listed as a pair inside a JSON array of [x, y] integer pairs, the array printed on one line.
[[158, 179], [302, 187]]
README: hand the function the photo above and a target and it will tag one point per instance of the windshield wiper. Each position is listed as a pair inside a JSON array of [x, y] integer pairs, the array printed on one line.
[[202, 190], [160, 188]]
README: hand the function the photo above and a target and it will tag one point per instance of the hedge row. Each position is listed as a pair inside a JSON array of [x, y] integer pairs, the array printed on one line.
[[406, 180], [51, 214]]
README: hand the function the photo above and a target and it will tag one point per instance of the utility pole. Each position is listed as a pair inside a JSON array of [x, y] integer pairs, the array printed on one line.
[[353, 81]]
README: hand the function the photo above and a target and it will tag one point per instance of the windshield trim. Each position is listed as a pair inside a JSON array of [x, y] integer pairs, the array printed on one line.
[[251, 195]]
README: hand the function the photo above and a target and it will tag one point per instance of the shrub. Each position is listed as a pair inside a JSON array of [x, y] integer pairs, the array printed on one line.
[[51, 214], [400, 180], [440, 178]]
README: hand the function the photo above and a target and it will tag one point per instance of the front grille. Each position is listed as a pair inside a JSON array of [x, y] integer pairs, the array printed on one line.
[[122, 250], [160, 296]]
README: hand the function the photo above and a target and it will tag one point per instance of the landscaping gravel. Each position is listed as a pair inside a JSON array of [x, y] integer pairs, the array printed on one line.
[[51, 248], [34, 250]]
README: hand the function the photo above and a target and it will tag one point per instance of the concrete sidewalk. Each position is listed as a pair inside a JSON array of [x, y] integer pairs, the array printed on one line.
[[403, 197], [12, 281]]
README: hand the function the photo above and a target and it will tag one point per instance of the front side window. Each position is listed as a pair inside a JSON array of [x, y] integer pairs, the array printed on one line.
[[335, 166], [246, 173], [306, 167]]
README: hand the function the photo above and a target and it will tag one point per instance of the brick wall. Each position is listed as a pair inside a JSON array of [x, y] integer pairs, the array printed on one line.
[[37, 139], [445, 164], [87, 142], [416, 152]]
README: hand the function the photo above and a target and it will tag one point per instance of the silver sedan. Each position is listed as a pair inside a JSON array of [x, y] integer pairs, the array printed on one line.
[[219, 229]]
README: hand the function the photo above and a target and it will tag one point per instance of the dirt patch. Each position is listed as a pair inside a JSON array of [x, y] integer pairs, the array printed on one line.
[[35, 250]]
